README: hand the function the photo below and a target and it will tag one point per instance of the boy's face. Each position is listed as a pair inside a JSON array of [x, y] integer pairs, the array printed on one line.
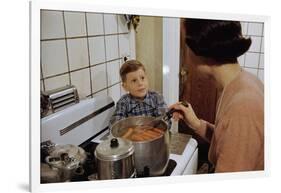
[[136, 83]]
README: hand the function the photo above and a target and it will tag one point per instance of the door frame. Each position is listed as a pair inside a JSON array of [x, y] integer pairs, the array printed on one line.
[[171, 59]]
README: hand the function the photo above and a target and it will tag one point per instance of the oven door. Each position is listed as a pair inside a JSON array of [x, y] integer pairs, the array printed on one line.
[[187, 162]]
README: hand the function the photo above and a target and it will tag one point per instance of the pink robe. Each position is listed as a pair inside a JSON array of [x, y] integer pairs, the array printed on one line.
[[237, 138]]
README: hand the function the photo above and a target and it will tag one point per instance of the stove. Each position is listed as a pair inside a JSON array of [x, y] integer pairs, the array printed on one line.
[[90, 170], [86, 125]]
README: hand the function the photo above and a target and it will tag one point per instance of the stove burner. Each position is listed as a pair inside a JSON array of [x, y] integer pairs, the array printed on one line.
[[170, 168], [89, 164]]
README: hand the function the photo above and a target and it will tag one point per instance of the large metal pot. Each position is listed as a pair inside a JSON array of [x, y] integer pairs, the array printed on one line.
[[115, 159], [152, 156]]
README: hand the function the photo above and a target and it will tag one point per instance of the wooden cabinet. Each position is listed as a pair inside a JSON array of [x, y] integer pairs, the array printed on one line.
[[199, 91]]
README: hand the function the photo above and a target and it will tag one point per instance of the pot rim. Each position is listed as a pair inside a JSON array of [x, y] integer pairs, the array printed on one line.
[[139, 117], [134, 117], [114, 158]]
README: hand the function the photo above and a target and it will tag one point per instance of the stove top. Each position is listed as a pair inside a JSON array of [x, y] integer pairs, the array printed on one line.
[[90, 169], [78, 122]]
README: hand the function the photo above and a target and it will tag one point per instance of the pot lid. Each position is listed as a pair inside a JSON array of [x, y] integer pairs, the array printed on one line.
[[71, 150], [114, 149], [66, 156]]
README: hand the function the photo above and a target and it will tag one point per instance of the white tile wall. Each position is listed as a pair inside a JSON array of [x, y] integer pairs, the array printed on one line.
[[83, 49], [110, 23], [253, 59], [78, 53], [254, 71], [111, 43], [261, 75], [256, 44], [261, 61], [53, 57], [101, 93], [57, 82], [244, 26], [95, 23], [122, 27], [97, 50], [52, 24], [113, 72], [114, 92], [124, 45], [255, 29], [75, 24], [98, 76], [81, 80], [262, 46], [122, 90]]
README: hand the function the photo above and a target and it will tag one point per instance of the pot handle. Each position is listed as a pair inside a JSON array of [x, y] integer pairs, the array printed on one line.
[[52, 159], [168, 115]]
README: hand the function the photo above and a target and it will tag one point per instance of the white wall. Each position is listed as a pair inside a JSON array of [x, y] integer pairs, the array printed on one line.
[[85, 50], [171, 59], [253, 59]]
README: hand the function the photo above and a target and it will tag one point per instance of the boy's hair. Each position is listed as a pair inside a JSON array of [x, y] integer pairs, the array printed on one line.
[[130, 66]]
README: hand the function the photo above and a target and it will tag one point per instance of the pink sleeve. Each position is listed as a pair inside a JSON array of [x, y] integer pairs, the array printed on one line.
[[206, 130]]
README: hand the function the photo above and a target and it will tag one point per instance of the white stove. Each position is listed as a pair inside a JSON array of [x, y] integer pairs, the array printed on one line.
[[88, 121]]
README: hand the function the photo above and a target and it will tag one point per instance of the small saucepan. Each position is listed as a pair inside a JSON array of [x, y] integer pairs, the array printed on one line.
[[115, 159]]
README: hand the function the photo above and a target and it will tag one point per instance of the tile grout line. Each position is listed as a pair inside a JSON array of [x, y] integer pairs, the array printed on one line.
[[91, 36], [66, 47], [105, 54], [41, 69], [118, 42], [87, 34], [69, 71], [246, 34], [262, 39], [78, 69]]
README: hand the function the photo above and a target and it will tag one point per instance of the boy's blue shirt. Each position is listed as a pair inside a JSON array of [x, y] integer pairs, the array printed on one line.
[[152, 105]]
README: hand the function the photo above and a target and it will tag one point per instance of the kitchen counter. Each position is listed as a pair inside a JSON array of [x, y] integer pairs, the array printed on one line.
[[178, 142]]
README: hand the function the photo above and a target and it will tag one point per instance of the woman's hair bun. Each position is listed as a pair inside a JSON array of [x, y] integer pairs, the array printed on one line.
[[216, 39]]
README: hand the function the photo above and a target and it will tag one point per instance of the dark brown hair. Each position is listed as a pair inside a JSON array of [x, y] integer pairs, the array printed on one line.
[[130, 66], [216, 39]]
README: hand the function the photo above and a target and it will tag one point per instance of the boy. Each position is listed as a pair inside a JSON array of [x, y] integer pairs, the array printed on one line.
[[139, 100]]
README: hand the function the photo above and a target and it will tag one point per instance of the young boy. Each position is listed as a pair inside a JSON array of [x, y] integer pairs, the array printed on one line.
[[139, 100]]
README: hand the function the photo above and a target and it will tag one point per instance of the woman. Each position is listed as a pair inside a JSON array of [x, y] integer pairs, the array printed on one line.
[[237, 137]]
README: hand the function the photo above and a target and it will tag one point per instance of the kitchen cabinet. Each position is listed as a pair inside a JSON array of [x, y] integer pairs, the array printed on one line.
[[200, 93]]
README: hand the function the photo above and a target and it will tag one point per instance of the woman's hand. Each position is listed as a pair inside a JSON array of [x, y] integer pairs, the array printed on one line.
[[187, 115]]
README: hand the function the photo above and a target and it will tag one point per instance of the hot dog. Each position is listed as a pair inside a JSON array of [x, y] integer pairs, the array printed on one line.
[[137, 137], [154, 134], [143, 133], [147, 136], [128, 133], [158, 130]]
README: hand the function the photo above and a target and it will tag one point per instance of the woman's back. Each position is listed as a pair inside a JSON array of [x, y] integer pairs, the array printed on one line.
[[238, 140]]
